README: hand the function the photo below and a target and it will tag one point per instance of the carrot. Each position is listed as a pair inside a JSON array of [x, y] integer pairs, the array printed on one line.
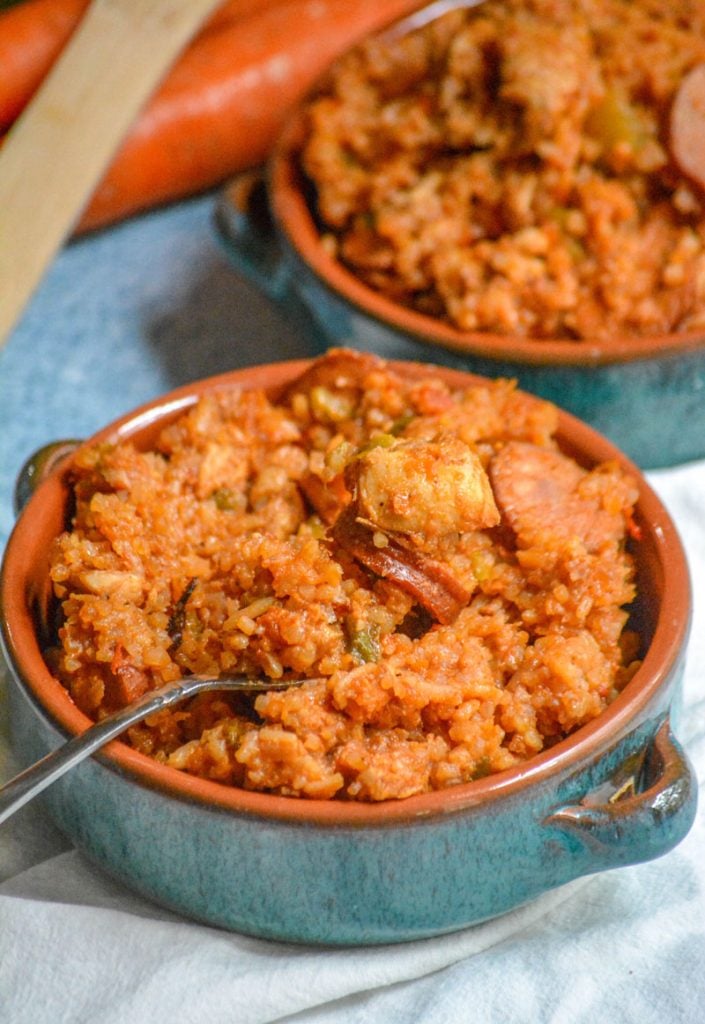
[[234, 10], [224, 102], [34, 32], [31, 36]]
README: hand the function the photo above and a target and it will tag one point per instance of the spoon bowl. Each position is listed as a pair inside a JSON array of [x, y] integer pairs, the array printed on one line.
[[643, 392], [618, 791]]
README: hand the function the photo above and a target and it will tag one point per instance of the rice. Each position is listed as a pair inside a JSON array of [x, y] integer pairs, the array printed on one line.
[[448, 630], [507, 169]]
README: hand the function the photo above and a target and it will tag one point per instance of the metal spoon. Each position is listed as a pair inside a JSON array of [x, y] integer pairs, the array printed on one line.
[[29, 783]]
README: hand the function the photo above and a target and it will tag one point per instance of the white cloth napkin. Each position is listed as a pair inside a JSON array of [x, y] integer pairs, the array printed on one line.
[[624, 946]]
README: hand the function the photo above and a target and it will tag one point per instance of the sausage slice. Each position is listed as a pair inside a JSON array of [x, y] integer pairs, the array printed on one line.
[[687, 141], [429, 582], [537, 492]]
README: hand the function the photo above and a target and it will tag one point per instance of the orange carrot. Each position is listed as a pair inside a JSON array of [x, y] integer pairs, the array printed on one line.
[[34, 32], [234, 10], [224, 102]]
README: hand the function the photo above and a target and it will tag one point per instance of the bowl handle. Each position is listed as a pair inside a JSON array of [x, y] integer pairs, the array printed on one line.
[[38, 467], [649, 814], [244, 222]]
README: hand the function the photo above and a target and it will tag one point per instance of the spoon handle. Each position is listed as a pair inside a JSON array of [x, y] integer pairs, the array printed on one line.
[[29, 783], [56, 152]]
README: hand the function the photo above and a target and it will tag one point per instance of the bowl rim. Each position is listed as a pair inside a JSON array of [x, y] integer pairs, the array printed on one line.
[[295, 222], [52, 700]]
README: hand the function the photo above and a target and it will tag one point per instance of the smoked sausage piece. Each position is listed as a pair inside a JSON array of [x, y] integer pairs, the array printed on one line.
[[429, 583], [687, 141], [537, 491]]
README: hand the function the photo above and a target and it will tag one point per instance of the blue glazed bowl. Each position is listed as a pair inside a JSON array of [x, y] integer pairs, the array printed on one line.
[[619, 791], [646, 394]]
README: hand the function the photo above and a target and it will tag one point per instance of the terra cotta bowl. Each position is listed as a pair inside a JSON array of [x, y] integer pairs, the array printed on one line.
[[645, 393], [618, 791]]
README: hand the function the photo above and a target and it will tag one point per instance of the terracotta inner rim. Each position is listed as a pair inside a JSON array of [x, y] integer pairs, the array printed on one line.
[[295, 220], [24, 577]]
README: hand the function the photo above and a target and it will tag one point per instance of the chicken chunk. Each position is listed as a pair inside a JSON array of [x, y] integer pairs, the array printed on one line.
[[405, 496], [431, 488]]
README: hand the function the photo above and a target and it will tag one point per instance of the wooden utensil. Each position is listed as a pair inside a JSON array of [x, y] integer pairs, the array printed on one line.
[[59, 148]]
